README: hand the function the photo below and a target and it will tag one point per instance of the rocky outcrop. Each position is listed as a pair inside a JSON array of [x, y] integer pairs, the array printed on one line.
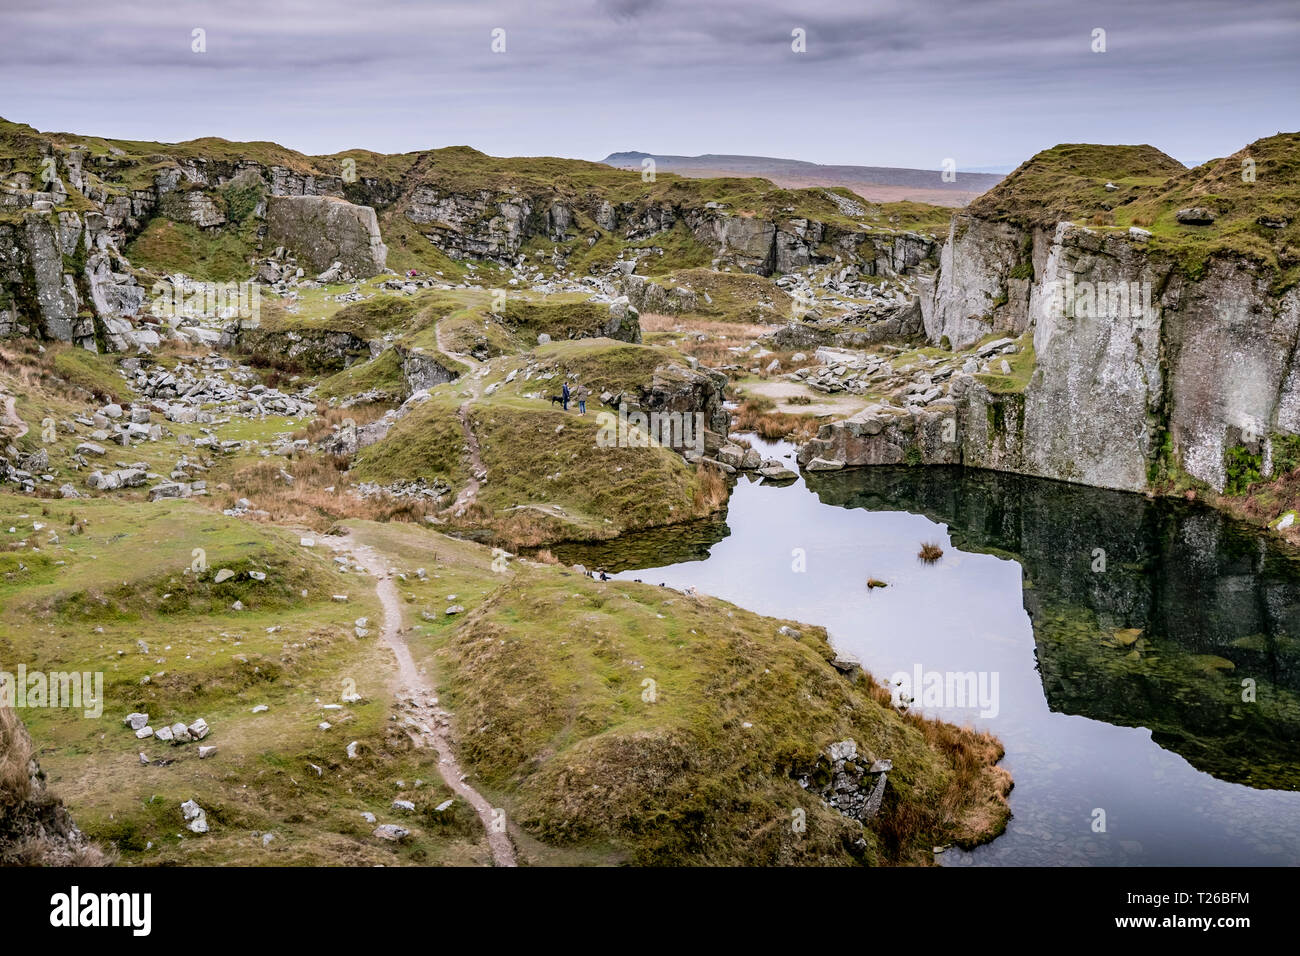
[[63, 279], [1141, 370], [495, 225], [319, 350], [648, 296], [971, 295], [850, 781], [323, 230], [422, 370], [883, 434], [675, 388]]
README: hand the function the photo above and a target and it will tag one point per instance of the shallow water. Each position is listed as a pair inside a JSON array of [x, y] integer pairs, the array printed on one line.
[[1120, 675]]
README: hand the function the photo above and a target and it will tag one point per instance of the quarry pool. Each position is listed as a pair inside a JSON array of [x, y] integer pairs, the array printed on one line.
[[1139, 659]]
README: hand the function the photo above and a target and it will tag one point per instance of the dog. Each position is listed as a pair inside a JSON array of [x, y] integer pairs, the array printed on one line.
[[557, 400]]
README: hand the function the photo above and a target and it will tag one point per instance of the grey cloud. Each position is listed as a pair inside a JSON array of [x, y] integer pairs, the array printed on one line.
[[902, 82]]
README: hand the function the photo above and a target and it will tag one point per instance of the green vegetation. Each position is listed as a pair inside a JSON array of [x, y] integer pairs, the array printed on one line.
[[124, 598], [605, 365], [1022, 364], [89, 370], [382, 373], [731, 296], [560, 319], [217, 255], [1254, 194], [425, 444], [1242, 468], [1069, 182]]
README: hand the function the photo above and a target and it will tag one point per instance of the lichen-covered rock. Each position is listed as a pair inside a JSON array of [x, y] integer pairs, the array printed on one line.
[[423, 370], [887, 435], [322, 230], [1140, 367]]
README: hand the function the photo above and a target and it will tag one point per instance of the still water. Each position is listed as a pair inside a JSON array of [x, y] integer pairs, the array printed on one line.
[[1146, 653]]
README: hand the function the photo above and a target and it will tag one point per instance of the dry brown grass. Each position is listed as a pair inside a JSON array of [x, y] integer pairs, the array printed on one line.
[[930, 552], [972, 804], [34, 828], [711, 353], [711, 493], [319, 497], [15, 759], [657, 322], [755, 415], [32, 372], [327, 417]]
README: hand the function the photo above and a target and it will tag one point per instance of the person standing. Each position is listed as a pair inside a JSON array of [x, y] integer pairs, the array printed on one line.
[[564, 396], [581, 393]]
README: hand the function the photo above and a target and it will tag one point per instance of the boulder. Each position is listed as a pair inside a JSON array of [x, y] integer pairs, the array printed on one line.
[[196, 820], [323, 230], [1196, 216], [773, 470], [824, 464]]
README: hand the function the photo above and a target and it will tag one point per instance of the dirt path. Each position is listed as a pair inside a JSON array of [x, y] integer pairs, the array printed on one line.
[[477, 470], [427, 724], [9, 417]]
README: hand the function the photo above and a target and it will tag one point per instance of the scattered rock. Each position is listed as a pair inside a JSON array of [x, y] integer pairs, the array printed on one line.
[[195, 816]]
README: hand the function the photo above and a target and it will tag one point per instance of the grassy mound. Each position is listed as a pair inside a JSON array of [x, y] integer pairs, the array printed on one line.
[[1069, 182], [656, 728], [605, 365], [1226, 188], [549, 479], [1254, 193], [427, 444]]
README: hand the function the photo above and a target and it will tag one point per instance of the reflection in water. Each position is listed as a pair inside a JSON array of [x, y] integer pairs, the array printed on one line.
[[1146, 613], [1148, 650]]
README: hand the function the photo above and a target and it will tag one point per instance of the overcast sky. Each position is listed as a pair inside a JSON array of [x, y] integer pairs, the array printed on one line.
[[883, 82]]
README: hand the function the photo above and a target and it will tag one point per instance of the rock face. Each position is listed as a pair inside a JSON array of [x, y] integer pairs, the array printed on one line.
[[886, 435], [62, 279], [676, 389], [1140, 368], [495, 225], [323, 230], [318, 349], [422, 370]]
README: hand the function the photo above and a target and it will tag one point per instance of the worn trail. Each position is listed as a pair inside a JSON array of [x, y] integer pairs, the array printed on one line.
[[427, 723], [477, 471]]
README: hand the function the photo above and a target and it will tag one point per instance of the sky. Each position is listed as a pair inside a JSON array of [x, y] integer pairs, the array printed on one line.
[[879, 83]]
